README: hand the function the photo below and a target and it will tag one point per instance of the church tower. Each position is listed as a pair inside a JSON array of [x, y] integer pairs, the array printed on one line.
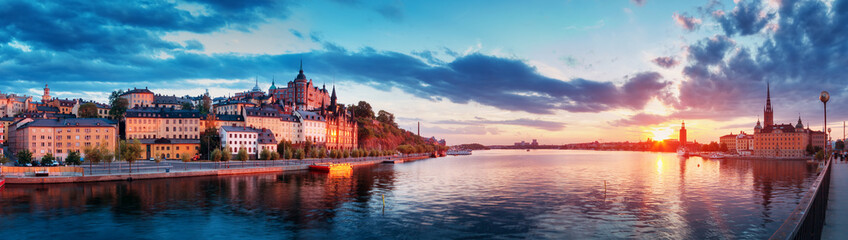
[[46, 96], [768, 112], [682, 137]]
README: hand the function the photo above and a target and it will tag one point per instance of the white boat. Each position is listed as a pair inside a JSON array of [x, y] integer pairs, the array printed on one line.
[[682, 152], [459, 152], [716, 156]]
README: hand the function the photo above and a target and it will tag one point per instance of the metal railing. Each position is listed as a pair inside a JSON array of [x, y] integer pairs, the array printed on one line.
[[807, 220]]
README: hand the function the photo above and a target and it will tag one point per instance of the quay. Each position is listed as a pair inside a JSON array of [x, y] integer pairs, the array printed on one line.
[[837, 207], [195, 169]]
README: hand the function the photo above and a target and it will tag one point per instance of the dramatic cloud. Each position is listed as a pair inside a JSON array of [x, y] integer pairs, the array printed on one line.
[[640, 119], [666, 62], [803, 56], [532, 123], [746, 19], [687, 22]]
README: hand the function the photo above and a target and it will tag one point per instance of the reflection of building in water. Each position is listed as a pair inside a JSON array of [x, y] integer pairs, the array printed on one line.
[[301, 198]]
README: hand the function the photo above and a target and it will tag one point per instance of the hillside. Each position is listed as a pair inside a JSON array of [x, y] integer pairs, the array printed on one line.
[[381, 131]]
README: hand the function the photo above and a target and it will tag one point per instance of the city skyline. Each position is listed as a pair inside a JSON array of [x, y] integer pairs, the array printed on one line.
[[586, 71]]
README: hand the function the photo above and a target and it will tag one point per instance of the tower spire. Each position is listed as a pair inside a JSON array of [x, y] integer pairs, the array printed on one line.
[[301, 65], [768, 111]]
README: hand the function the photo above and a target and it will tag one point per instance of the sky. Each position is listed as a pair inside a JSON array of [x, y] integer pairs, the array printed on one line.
[[491, 72]]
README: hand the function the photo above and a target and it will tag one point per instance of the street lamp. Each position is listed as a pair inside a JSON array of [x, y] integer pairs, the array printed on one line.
[[824, 97]]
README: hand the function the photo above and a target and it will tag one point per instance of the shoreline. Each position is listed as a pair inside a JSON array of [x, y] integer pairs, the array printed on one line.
[[15, 180]]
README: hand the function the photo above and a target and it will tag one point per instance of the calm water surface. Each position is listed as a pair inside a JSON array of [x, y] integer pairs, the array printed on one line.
[[492, 194]]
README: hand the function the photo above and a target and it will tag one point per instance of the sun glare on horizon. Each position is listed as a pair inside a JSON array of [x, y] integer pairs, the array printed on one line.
[[662, 133]]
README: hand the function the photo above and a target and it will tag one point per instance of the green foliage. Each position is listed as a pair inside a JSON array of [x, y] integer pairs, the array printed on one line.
[[87, 110], [209, 139], [187, 106], [275, 155], [73, 158], [345, 154], [284, 146], [185, 158], [226, 154], [265, 154], [362, 110], [119, 105], [288, 153], [810, 149], [130, 151], [820, 155], [839, 145], [242, 155], [387, 118], [24, 157], [299, 154], [216, 155], [47, 158], [3, 160]]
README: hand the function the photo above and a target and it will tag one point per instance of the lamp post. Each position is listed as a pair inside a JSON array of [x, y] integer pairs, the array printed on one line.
[[824, 97]]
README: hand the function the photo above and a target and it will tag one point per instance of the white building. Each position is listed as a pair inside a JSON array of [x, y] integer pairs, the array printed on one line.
[[236, 138], [313, 127]]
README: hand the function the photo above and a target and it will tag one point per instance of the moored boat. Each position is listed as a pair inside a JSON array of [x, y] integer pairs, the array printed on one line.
[[682, 152], [459, 152], [2, 182], [716, 156]]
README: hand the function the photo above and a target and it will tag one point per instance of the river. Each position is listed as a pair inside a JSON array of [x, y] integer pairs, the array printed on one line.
[[552, 194]]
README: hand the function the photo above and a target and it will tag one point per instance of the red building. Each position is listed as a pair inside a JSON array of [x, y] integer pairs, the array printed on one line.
[[301, 93]]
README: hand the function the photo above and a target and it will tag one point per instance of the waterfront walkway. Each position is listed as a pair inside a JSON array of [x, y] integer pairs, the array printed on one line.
[[836, 219], [173, 169]]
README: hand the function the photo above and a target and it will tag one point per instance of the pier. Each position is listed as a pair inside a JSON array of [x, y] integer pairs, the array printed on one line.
[[173, 169]]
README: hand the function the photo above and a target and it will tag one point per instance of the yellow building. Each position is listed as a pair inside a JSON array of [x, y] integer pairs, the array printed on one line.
[[151, 123], [169, 148], [138, 97], [61, 136], [728, 140]]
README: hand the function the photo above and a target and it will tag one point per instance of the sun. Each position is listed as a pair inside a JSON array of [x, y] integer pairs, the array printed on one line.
[[662, 133]]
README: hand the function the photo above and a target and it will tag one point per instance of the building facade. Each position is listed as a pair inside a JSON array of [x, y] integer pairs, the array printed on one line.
[[62, 136], [138, 97], [783, 140], [301, 93], [237, 138], [152, 123]]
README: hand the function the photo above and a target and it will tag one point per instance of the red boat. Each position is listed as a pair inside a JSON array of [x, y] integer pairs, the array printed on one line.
[[2, 182]]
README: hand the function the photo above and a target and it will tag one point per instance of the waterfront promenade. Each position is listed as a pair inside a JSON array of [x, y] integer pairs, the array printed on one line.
[[837, 204], [120, 171]]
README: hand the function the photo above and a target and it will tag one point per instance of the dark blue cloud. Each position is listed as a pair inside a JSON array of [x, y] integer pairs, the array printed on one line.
[[391, 11], [748, 17], [296, 33], [86, 47], [803, 54], [524, 122], [665, 62]]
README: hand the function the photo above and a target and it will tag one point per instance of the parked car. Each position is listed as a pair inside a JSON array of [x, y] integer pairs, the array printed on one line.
[[151, 159]]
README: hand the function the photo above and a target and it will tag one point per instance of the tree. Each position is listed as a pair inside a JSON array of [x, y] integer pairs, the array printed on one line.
[[723, 147], [73, 158], [187, 106], [130, 151], [288, 154], [275, 155], [810, 149], [386, 117], [119, 107], [47, 158], [226, 155], [299, 154], [820, 155], [242, 155], [87, 110], [92, 155], [283, 146], [209, 140], [3, 160], [362, 110], [840, 145], [265, 154], [158, 160], [185, 158], [24, 157], [204, 105], [216, 155]]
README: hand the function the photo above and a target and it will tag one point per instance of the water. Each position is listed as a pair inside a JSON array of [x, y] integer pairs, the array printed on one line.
[[491, 194]]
